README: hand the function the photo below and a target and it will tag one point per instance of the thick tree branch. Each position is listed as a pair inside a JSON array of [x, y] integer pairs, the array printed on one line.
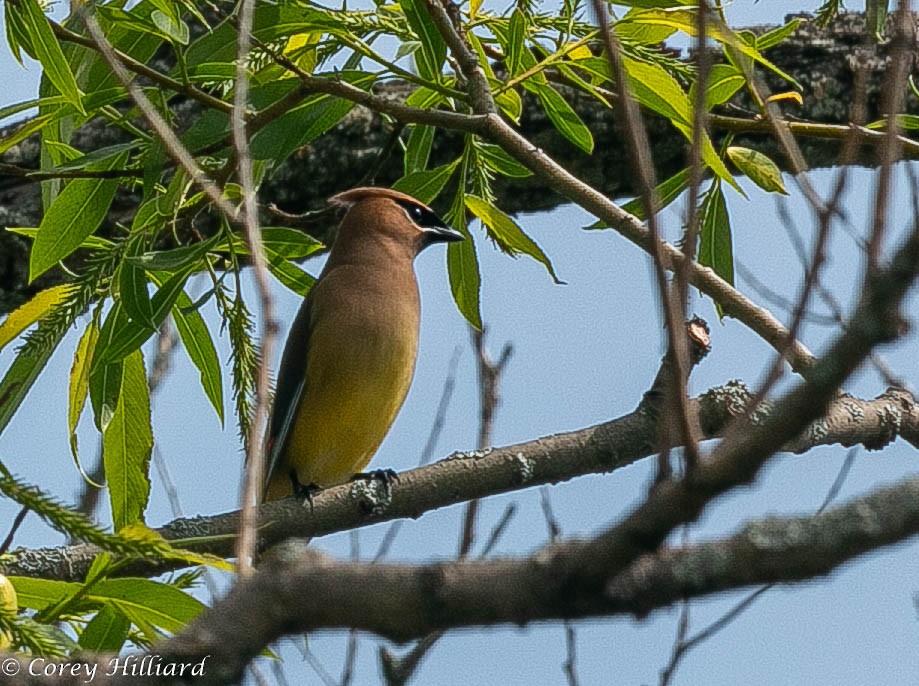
[[466, 476], [303, 590], [751, 441], [773, 550], [412, 600]]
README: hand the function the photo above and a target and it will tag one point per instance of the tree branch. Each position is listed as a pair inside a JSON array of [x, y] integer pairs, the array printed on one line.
[[466, 476], [305, 590]]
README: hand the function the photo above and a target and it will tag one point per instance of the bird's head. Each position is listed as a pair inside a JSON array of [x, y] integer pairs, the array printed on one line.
[[394, 216]]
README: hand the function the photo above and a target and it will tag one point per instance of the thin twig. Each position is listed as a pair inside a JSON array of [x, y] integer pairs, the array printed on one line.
[[826, 212], [255, 458], [489, 375], [17, 522], [163, 130], [778, 300], [126, 62], [679, 296], [678, 428], [901, 45], [35, 175], [316, 664], [569, 666], [498, 530], [696, 169], [348, 666], [399, 670], [683, 645]]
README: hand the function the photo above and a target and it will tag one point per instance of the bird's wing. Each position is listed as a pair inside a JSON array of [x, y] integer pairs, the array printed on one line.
[[291, 385]]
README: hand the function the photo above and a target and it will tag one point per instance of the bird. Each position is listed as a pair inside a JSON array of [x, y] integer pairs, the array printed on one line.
[[350, 355]]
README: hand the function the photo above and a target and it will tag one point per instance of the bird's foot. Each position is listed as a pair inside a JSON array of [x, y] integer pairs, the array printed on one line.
[[387, 476], [305, 494]]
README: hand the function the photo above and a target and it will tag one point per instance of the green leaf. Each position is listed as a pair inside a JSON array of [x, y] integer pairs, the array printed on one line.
[[657, 90], [424, 98], [433, 53], [201, 351], [143, 601], [304, 123], [654, 4], [666, 192], [418, 148], [212, 71], [724, 80], [36, 309], [105, 379], [149, 602], [209, 129], [776, 36], [21, 375], [510, 103], [130, 32], [909, 122], [516, 35], [289, 243], [33, 125], [507, 234], [685, 20], [79, 382], [17, 36], [95, 159], [132, 288], [271, 21], [76, 212], [170, 26], [127, 444], [875, 18], [18, 107], [38, 594], [465, 279], [186, 257], [124, 335], [758, 168], [426, 185], [48, 52], [106, 632], [92, 242], [641, 32], [406, 48], [563, 117], [498, 160], [143, 537], [289, 274], [715, 246], [281, 240]]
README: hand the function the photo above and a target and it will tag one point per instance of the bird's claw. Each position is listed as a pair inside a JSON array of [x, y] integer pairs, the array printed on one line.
[[305, 494]]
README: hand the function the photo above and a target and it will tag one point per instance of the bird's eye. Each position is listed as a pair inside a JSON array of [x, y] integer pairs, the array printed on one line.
[[417, 213]]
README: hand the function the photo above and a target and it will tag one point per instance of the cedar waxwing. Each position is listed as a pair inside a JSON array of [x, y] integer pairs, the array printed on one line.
[[350, 355]]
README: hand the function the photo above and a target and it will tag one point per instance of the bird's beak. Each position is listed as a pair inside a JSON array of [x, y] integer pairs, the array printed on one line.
[[442, 234]]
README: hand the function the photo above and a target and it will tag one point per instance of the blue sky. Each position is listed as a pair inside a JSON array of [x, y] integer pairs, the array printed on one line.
[[583, 353]]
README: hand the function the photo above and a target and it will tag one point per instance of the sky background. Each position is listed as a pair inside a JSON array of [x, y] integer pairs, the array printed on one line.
[[583, 353]]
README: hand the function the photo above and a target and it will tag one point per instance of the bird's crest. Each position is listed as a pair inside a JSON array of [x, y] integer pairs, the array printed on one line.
[[356, 195]]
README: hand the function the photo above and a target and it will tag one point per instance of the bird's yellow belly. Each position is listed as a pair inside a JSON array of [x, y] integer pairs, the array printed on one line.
[[339, 429]]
